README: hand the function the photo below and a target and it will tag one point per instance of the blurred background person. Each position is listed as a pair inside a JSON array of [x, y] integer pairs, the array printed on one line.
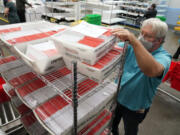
[[4, 2], [151, 12], [11, 12], [20, 5]]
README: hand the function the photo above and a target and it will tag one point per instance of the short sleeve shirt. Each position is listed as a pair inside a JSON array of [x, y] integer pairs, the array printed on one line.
[[12, 16], [137, 89]]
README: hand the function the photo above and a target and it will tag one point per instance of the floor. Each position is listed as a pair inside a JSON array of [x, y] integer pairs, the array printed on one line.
[[162, 119], [164, 115]]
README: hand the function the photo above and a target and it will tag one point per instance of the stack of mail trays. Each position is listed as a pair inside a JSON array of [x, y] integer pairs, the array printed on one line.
[[92, 47], [56, 46], [32, 42]]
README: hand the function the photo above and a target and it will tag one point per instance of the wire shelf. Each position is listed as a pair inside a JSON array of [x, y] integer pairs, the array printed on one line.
[[49, 96], [32, 125], [26, 115], [54, 90]]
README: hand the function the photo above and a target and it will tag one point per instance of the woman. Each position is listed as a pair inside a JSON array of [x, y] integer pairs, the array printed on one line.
[[11, 12]]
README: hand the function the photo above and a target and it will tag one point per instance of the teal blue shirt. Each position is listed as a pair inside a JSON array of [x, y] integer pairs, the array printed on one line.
[[137, 89], [12, 15]]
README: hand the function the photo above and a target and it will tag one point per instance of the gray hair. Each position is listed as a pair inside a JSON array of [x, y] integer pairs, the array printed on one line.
[[159, 27]]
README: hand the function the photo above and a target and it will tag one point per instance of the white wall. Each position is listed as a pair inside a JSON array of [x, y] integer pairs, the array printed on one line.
[[93, 0], [173, 12], [174, 4], [170, 3], [1, 7]]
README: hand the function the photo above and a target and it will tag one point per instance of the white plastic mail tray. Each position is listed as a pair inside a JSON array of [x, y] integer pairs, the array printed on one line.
[[25, 26], [29, 32], [37, 24], [83, 48], [102, 69], [42, 56]]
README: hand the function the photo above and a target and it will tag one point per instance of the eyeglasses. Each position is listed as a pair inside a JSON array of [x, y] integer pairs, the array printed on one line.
[[148, 37]]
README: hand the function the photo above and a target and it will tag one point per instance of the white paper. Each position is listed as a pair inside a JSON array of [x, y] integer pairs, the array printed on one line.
[[89, 29], [44, 46], [71, 36], [3, 27], [20, 34], [52, 28]]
